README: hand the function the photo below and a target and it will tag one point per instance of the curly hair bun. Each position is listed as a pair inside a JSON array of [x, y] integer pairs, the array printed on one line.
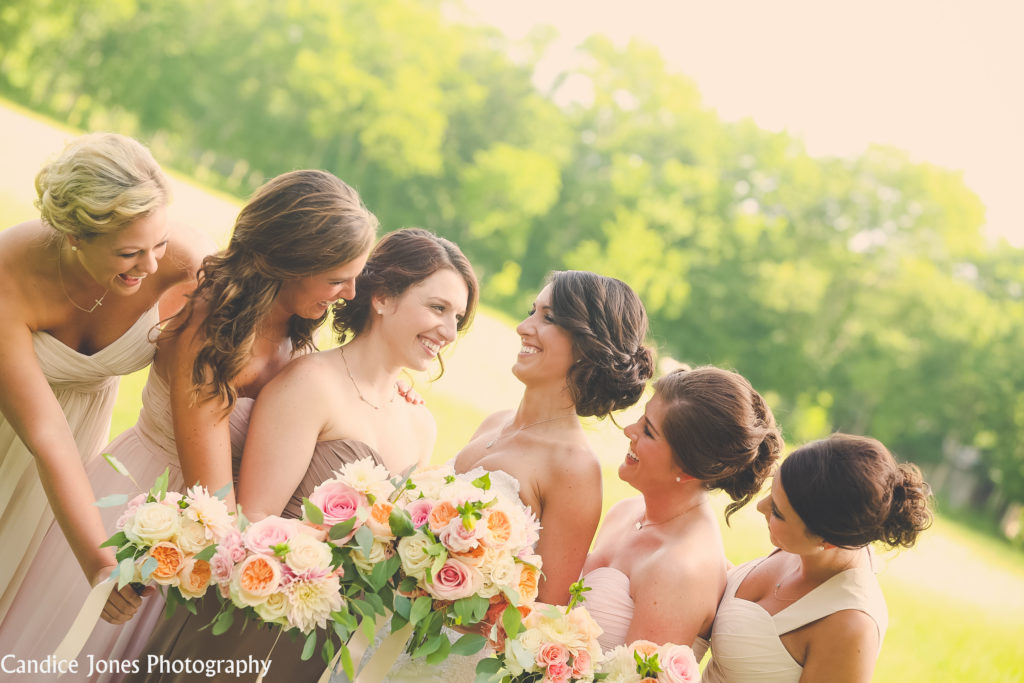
[[608, 325]]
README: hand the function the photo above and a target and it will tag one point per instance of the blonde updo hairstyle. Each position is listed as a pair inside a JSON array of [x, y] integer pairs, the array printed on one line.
[[100, 183]]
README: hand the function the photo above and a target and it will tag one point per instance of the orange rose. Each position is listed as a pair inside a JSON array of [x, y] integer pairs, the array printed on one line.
[[169, 560], [195, 577], [380, 519], [528, 577], [499, 529], [440, 515], [644, 647], [473, 557], [256, 577]]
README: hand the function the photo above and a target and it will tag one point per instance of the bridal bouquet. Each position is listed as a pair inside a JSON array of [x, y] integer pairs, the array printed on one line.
[[553, 644], [643, 660], [464, 546], [169, 538], [328, 570]]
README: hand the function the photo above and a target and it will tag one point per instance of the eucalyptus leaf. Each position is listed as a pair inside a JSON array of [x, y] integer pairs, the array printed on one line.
[[112, 500], [310, 647]]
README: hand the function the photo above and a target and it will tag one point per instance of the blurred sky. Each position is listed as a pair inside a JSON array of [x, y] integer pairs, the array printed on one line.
[[942, 79]]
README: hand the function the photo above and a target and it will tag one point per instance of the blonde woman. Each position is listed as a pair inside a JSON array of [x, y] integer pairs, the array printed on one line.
[[79, 294]]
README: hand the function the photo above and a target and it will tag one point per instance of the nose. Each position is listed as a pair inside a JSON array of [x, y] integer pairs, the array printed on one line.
[[149, 263], [764, 505], [630, 431], [449, 328], [347, 291], [525, 327]]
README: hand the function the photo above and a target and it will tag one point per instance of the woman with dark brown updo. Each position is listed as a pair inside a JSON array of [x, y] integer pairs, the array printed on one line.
[[658, 568], [582, 355], [813, 610]]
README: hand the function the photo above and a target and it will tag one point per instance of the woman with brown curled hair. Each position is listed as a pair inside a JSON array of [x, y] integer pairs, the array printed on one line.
[[658, 568], [813, 610]]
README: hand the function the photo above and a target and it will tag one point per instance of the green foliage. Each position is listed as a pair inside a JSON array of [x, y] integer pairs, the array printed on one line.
[[857, 293]]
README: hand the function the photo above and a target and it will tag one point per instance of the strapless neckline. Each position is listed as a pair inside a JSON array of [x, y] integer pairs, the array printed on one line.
[[149, 317]]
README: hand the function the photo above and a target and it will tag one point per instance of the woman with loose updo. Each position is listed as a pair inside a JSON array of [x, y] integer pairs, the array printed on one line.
[[813, 609], [658, 568], [81, 288], [582, 354]]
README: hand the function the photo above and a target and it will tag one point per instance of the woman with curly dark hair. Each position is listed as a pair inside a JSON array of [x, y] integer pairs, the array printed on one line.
[[582, 355], [658, 568], [813, 609]]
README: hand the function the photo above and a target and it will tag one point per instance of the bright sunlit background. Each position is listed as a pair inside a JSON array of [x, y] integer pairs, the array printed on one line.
[[941, 79]]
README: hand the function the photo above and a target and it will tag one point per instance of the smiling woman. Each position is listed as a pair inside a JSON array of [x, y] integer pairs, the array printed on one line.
[[415, 295], [300, 241], [79, 292]]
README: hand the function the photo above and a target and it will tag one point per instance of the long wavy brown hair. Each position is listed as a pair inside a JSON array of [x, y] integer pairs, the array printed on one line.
[[298, 224]]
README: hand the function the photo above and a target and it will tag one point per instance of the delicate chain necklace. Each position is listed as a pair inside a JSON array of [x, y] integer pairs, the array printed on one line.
[[360, 393], [508, 424], [640, 523], [60, 276], [775, 592]]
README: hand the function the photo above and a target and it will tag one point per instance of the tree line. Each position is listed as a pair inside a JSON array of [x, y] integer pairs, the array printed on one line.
[[857, 293]]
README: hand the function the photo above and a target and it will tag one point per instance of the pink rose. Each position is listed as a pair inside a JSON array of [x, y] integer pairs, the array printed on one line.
[[557, 672], [337, 500], [263, 535], [231, 545], [678, 665], [455, 580], [552, 653], [457, 538], [582, 666], [419, 511], [222, 564]]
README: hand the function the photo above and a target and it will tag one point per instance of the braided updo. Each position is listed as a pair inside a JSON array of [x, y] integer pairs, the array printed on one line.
[[850, 491]]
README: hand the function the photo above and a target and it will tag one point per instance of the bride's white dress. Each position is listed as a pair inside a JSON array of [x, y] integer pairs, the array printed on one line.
[[454, 669]]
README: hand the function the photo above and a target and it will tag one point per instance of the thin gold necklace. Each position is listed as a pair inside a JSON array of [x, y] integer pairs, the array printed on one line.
[[60, 276], [360, 393], [508, 424], [640, 523]]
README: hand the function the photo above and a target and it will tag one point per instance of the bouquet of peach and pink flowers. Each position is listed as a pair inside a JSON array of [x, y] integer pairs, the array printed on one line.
[[169, 538], [328, 570], [553, 644], [466, 552], [643, 660]]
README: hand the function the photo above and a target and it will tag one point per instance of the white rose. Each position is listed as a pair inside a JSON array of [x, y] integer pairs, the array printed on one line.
[[412, 550], [379, 551], [305, 552], [273, 609], [153, 523], [192, 536]]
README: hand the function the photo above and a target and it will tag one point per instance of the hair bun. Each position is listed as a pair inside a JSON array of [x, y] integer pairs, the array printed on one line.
[[909, 511]]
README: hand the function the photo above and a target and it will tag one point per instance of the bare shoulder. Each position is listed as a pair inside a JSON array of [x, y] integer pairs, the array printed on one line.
[[848, 625], [23, 250], [574, 462], [186, 249]]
